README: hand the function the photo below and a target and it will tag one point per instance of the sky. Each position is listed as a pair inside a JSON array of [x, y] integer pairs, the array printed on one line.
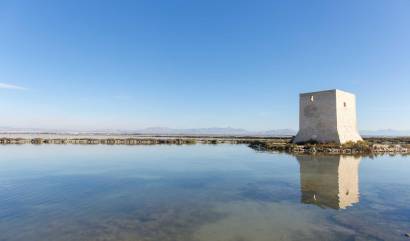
[[96, 64]]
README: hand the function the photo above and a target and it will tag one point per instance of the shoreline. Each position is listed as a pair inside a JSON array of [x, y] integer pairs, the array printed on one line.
[[370, 145], [130, 139], [360, 148]]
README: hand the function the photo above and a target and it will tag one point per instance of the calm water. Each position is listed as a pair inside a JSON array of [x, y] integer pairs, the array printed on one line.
[[198, 193]]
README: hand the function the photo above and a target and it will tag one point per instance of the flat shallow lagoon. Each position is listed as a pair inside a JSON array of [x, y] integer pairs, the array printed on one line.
[[198, 193]]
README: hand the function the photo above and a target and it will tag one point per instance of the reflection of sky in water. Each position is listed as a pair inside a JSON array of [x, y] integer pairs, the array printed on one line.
[[199, 192]]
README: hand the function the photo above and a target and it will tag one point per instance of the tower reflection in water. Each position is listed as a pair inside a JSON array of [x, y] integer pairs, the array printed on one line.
[[329, 181]]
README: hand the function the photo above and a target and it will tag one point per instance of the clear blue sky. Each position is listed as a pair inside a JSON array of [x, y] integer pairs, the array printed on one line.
[[186, 64]]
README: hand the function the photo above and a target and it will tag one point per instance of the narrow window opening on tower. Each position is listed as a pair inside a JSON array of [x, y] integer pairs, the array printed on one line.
[[344, 104], [312, 98]]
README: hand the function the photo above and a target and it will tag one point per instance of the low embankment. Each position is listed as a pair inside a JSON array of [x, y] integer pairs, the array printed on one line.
[[371, 145], [125, 139]]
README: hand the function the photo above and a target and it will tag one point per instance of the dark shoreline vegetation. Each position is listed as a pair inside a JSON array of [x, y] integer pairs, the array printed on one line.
[[366, 147], [370, 145]]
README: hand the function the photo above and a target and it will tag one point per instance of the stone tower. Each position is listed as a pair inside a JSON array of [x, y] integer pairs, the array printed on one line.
[[327, 116]]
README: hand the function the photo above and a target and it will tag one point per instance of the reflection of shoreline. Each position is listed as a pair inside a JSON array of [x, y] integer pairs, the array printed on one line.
[[329, 181]]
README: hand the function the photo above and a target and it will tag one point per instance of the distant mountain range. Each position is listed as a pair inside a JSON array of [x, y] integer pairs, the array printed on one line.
[[216, 131], [159, 131], [194, 131], [278, 132]]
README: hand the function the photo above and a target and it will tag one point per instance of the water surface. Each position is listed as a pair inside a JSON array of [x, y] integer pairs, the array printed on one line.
[[198, 193]]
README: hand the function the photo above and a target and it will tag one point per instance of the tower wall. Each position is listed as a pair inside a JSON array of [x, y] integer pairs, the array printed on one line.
[[346, 117]]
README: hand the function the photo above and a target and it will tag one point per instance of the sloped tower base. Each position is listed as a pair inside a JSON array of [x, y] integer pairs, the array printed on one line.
[[326, 137]]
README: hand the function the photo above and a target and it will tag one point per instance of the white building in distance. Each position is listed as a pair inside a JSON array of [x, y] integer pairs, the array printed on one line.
[[327, 116]]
